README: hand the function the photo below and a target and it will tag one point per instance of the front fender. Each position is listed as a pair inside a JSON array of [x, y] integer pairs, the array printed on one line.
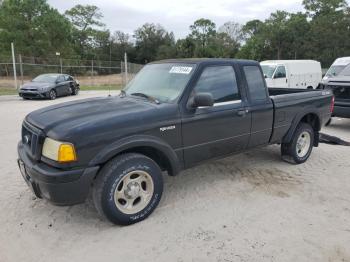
[[128, 143]]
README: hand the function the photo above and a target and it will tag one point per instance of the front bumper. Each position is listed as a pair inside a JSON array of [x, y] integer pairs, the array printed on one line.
[[32, 94], [341, 111], [61, 187]]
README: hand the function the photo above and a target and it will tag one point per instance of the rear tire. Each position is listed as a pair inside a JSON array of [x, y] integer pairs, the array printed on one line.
[[128, 189], [299, 149]]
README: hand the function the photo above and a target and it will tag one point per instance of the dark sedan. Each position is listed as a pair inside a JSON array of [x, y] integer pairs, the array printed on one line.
[[49, 86]]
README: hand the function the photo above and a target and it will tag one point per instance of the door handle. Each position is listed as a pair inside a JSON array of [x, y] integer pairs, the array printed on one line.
[[242, 113]]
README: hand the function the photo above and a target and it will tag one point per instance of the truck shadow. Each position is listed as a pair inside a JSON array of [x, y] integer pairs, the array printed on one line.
[[259, 170]]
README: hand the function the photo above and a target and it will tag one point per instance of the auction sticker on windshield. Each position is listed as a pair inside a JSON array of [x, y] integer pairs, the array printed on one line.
[[180, 70]]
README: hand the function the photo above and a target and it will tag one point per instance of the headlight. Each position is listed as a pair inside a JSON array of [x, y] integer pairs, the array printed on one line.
[[62, 152]]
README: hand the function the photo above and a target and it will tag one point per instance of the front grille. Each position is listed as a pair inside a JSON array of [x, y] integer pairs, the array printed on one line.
[[29, 95], [32, 139], [29, 89], [341, 92]]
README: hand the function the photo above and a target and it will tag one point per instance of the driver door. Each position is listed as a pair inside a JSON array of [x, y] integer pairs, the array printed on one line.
[[280, 77], [219, 130], [61, 85]]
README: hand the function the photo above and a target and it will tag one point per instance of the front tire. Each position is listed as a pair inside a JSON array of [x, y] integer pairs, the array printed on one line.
[[52, 94], [128, 189], [299, 149]]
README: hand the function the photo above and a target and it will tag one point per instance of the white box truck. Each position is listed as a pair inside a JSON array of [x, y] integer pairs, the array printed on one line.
[[292, 73]]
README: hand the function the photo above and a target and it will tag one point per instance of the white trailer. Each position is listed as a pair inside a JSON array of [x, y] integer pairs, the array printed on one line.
[[292, 73]]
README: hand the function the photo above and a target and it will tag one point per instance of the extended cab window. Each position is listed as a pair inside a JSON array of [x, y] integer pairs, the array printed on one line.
[[255, 81], [220, 81]]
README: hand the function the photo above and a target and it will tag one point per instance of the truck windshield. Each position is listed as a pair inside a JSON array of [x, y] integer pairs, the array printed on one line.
[[334, 70], [268, 70], [164, 82], [345, 71]]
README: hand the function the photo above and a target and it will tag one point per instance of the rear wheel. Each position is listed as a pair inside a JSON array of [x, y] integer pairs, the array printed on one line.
[[128, 189], [300, 148], [52, 94]]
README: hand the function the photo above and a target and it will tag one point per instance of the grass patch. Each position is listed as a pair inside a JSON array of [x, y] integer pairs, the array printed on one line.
[[101, 87], [11, 91], [7, 91]]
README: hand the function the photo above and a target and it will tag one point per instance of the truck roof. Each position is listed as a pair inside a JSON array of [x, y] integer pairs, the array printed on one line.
[[342, 61], [207, 61], [288, 61]]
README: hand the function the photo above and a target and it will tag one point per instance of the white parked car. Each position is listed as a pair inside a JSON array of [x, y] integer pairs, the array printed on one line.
[[292, 73]]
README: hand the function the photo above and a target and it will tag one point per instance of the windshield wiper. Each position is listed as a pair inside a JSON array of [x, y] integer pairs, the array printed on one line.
[[150, 98]]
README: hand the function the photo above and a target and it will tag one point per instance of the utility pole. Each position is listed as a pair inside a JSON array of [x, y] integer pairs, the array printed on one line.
[[21, 67], [14, 65], [126, 67], [61, 65]]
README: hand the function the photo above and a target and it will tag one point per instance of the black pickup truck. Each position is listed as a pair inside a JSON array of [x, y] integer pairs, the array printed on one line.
[[339, 84], [175, 114]]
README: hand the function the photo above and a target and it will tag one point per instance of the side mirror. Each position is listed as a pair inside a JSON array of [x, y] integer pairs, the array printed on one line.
[[202, 100]]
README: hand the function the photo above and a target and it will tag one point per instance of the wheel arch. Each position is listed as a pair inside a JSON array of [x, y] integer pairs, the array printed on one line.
[[311, 118], [152, 147]]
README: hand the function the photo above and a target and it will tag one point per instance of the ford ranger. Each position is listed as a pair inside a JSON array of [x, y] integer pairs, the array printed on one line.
[[173, 115]]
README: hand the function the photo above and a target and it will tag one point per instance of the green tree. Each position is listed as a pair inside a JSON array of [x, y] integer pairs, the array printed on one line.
[[299, 34], [202, 32], [185, 48], [153, 42], [233, 30], [256, 46], [329, 29], [34, 27], [121, 44], [88, 29], [277, 34]]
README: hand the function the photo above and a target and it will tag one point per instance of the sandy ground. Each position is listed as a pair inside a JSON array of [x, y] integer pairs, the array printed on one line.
[[250, 207]]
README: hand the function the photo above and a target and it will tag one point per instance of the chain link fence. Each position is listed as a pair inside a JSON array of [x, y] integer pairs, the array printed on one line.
[[92, 74]]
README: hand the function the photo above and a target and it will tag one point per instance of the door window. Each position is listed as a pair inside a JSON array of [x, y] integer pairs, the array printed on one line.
[[60, 79], [220, 81], [255, 81], [280, 72]]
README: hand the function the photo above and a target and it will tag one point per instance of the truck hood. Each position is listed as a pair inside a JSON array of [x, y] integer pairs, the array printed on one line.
[[337, 80], [70, 117]]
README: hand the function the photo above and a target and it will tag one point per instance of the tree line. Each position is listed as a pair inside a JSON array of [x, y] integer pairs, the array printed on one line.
[[321, 32]]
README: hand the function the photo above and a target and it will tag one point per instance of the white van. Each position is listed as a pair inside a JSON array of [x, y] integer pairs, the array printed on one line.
[[338, 65], [292, 73]]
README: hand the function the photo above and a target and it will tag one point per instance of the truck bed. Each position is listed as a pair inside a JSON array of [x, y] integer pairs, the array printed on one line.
[[287, 102]]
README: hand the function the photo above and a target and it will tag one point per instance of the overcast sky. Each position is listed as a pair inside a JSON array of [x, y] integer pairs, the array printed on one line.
[[178, 15]]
